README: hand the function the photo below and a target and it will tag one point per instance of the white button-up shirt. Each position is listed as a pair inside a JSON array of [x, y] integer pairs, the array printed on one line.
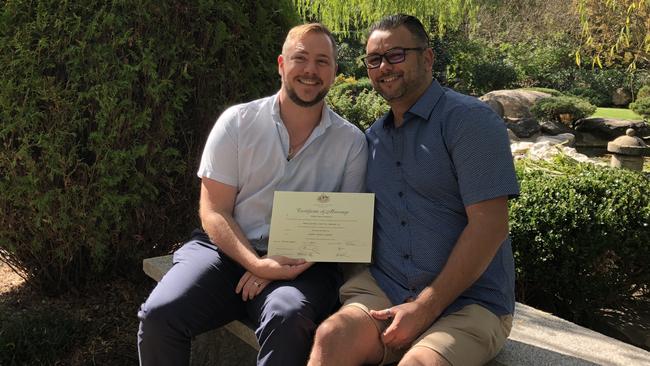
[[248, 146]]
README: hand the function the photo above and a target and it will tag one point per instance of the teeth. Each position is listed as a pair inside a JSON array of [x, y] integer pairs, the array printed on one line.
[[308, 81], [389, 79]]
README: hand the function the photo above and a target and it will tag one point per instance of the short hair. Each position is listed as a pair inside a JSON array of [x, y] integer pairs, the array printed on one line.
[[411, 23], [300, 31]]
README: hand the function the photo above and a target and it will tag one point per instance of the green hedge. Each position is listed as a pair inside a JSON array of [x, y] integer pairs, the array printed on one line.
[[104, 108], [580, 236], [641, 107], [356, 101], [550, 109]]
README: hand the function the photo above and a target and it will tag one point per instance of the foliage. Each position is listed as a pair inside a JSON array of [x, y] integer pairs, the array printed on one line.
[[103, 113], [356, 101], [342, 15], [580, 234], [644, 92], [550, 109], [477, 68], [349, 62], [37, 338], [542, 63], [615, 32], [641, 107]]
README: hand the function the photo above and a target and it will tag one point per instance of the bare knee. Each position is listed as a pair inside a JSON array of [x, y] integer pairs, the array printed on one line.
[[348, 337], [330, 329], [423, 356]]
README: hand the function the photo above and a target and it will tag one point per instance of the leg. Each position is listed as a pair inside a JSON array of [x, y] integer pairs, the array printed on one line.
[[196, 295], [352, 336], [349, 337], [470, 336], [289, 311]]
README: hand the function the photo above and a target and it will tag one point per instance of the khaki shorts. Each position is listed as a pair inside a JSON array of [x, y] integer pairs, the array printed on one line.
[[470, 336]]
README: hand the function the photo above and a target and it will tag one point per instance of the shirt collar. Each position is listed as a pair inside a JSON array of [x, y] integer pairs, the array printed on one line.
[[325, 117]]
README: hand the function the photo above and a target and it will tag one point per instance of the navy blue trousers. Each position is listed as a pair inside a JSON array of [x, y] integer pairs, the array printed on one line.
[[198, 294]]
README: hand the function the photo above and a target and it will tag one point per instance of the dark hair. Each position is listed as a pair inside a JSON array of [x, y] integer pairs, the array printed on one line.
[[411, 23]]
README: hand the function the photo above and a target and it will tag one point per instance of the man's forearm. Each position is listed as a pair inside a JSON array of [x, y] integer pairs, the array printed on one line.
[[224, 231]]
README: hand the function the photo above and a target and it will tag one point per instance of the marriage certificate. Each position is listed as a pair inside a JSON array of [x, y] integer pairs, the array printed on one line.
[[322, 226]]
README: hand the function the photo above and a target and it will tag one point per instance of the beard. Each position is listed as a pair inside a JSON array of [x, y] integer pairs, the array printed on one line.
[[305, 103], [409, 83]]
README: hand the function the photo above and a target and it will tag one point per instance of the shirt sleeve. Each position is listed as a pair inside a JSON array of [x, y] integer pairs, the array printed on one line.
[[354, 177], [480, 150], [220, 159]]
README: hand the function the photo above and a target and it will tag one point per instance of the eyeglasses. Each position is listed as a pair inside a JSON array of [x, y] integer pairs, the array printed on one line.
[[393, 56]]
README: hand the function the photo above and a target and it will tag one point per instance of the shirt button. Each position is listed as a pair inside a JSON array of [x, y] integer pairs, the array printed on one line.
[[401, 194], [399, 163], [406, 256], [403, 223]]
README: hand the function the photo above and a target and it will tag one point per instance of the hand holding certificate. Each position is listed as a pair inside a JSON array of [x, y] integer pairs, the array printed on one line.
[[322, 227]]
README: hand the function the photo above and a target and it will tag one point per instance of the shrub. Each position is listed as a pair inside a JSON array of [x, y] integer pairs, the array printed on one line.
[[477, 67], [104, 108], [594, 97], [356, 101], [550, 109], [580, 235], [641, 107], [644, 92]]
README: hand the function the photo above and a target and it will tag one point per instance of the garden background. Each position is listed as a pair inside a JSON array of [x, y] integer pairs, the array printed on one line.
[[105, 106]]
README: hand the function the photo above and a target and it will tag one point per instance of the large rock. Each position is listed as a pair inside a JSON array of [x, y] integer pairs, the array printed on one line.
[[515, 103], [554, 128], [523, 127], [609, 129]]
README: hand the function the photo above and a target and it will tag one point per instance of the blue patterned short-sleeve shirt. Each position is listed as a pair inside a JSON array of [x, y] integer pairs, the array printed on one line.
[[451, 151]]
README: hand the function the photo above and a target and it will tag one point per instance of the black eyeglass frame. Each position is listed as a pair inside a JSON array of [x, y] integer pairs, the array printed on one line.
[[383, 56]]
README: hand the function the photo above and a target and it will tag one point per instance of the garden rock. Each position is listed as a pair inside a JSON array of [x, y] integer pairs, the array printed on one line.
[[516, 103], [609, 129], [523, 127], [496, 106], [554, 128], [621, 97]]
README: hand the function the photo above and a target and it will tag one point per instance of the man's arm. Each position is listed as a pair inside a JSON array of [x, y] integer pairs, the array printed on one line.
[[216, 207], [486, 229]]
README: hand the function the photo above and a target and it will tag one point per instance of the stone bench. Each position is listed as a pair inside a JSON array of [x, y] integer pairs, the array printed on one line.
[[537, 338]]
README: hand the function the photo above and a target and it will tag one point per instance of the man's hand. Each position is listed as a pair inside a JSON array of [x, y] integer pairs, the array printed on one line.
[[278, 267], [409, 321], [250, 286]]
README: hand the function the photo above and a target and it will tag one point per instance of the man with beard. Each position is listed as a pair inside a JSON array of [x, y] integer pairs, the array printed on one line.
[[287, 142], [440, 290]]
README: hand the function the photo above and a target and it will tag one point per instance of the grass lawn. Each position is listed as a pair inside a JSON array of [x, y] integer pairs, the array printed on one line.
[[617, 113]]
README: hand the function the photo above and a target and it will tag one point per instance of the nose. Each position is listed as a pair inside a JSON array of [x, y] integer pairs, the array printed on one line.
[[310, 67]]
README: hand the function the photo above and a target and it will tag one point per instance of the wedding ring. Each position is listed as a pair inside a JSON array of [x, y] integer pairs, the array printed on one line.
[[257, 283]]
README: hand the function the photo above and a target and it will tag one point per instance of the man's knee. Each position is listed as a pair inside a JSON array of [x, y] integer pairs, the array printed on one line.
[[156, 317], [331, 328], [287, 313]]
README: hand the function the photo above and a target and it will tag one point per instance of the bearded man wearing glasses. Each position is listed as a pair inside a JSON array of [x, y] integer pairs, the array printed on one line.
[[290, 141], [440, 290]]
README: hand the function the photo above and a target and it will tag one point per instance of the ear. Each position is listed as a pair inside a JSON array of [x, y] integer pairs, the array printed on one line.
[[429, 57], [280, 64]]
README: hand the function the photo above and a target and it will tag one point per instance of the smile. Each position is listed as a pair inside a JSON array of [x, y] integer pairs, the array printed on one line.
[[389, 79], [308, 81]]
